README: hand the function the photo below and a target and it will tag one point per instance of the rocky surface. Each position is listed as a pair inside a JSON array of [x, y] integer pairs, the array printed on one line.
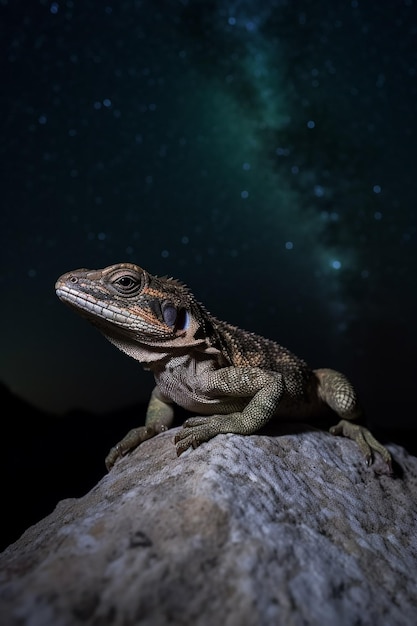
[[242, 531]]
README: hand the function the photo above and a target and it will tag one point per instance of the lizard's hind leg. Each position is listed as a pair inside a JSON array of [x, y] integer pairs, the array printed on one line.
[[337, 392]]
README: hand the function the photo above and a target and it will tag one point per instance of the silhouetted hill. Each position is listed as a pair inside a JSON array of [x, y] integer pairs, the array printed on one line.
[[46, 458]]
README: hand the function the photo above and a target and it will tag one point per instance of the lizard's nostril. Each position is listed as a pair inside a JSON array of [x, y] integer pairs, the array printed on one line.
[[73, 279]]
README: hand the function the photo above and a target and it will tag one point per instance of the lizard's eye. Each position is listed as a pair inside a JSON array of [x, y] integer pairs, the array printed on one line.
[[125, 281], [127, 285]]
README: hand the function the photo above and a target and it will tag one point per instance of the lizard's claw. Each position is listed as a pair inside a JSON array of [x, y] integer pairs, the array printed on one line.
[[133, 438], [195, 430], [367, 443]]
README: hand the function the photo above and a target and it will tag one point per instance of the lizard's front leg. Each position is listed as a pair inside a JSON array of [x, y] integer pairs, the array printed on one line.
[[266, 388], [159, 417]]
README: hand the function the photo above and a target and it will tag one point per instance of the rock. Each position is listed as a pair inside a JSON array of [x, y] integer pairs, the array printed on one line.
[[242, 531]]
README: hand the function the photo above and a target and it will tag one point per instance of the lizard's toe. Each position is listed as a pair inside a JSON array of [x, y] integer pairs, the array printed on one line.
[[133, 438], [114, 454], [195, 421], [192, 435], [184, 441]]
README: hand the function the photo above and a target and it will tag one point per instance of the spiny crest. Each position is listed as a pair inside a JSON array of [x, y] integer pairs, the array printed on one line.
[[175, 282], [172, 286]]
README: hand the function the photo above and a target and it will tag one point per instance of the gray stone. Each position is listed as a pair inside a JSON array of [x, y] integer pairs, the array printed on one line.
[[243, 531]]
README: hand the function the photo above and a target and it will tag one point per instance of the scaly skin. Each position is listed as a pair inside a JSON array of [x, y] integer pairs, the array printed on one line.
[[236, 380]]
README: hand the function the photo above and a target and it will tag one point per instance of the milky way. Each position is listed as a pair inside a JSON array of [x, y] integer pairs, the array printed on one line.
[[264, 153]]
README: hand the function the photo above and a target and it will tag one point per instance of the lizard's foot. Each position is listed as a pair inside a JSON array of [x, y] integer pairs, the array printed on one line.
[[133, 438], [367, 443], [196, 430]]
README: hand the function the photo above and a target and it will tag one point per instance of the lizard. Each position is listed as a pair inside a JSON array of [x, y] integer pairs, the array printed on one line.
[[235, 380]]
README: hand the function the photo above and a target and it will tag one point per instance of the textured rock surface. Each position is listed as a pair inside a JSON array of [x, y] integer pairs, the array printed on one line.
[[242, 531]]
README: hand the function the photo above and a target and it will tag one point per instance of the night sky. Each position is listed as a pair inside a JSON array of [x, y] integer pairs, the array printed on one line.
[[262, 152]]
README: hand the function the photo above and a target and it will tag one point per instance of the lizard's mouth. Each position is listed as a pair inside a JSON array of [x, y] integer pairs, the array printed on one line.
[[84, 303], [90, 308], [105, 316]]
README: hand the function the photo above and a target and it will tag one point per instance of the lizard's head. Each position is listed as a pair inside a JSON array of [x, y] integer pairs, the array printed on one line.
[[125, 301]]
